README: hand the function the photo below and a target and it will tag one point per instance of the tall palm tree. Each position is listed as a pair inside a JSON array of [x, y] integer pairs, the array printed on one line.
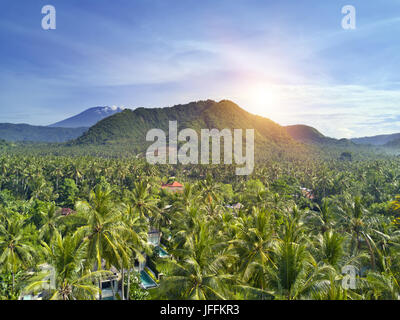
[[50, 220], [103, 229], [295, 273], [199, 269], [135, 241], [330, 248], [332, 289], [323, 218], [16, 250], [384, 285], [356, 220], [142, 200], [254, 243], [66, 277], [209, 189]]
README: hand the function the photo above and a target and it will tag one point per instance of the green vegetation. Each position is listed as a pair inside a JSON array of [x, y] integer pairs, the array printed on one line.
[[79, 220], [85, 216], [129, 128], [308, 134]]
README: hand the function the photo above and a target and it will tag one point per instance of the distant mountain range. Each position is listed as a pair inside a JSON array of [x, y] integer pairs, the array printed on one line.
[[88, 117], [393, 144], [114, 125], [380, 140], [62, 131], [25, 132], [310, 135]]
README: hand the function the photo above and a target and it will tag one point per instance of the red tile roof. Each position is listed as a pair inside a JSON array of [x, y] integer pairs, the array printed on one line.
[[173, 185]]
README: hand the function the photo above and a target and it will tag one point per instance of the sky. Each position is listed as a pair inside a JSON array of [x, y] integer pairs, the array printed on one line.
[[290, 61]]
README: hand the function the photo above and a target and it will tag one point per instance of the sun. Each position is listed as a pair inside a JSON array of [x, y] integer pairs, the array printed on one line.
[[263, 99]]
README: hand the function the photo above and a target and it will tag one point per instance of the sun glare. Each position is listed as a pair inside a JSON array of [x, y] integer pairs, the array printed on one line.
[[263, 99]]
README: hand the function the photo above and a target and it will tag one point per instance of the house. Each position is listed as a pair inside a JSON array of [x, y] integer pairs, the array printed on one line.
[[308, 193], [66, 211], [110, 285], [236, 206], [173, 187], [154, 237]]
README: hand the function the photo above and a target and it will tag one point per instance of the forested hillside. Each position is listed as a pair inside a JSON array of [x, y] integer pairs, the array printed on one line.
[[130, 127]]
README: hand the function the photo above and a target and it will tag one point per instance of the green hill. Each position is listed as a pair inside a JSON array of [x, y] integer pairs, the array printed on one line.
[[25, 132], [395, 144], [131, 126], [380, 140], [310, 135], [306, 134]]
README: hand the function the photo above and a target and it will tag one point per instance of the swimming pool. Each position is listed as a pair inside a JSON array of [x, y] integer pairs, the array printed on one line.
[[162, 253], [146, 280]]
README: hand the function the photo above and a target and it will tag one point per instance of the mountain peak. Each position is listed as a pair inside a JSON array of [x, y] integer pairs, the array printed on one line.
[[88, 117], [131, 126]]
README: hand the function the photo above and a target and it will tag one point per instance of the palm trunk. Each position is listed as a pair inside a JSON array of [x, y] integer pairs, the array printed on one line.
[[371, 251], [262, 293], [358, 242], [13, 282], [100, 294], [123, 285], [113, 289], [129, 286]]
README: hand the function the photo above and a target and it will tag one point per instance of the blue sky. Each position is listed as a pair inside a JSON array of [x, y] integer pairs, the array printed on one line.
[[290, 61]]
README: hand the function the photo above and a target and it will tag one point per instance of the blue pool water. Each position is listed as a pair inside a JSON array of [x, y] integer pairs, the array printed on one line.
[[146, 280], [162, 253]]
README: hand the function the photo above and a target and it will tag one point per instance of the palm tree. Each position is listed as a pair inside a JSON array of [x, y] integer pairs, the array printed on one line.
[[323, 219], [199, 269], [189, 197], [295, 273], [50, 220], [104, 229], [66, 277], [384, 285], [254, 243], [330, 248], [332, 289], [357, 222], [16, 250], [209, 189], [142, 200], [135, 241]]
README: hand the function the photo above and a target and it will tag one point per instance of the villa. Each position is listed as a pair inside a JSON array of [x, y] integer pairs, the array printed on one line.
[[236, 206], [65, 212], [308, 193], [173, 187], [148, 278], [110, 286]]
